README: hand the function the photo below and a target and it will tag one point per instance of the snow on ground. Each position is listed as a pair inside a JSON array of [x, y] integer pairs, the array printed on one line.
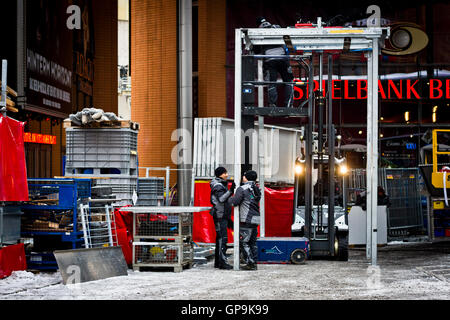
[[403, 273]]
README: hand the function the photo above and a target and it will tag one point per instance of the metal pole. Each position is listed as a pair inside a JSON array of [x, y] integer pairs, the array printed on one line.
[[261, 148], [320, 106], [185, 102], [309, 143], [192, 187], [21, 46], [194, 163], [168, 185], [108, 222], [374, 151], [4, 79], [237, 136], [369, 172], [331, 169]]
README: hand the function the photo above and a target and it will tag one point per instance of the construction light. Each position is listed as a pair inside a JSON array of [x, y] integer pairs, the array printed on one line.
[[407, 116], [434, 117], [343, 169], [299, 169]]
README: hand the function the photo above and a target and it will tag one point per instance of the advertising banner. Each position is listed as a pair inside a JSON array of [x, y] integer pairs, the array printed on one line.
[[49, 56]]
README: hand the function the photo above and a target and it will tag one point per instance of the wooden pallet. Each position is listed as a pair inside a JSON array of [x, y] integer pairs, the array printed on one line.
[[10, 105], [104, 124]]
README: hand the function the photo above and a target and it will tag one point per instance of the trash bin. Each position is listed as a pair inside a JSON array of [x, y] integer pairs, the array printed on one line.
[[10, 224]]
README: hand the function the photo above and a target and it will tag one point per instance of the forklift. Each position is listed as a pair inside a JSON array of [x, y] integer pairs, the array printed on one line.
[[317, 215], [319, 206]]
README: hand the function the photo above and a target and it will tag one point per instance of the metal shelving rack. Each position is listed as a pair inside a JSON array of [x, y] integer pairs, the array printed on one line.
[[162, 236], [54, 198]]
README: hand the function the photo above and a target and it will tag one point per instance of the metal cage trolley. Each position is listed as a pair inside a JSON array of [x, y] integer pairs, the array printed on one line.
[[162, 236]]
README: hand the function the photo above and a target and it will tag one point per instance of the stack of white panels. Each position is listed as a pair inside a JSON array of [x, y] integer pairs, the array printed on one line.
[[214, 146]]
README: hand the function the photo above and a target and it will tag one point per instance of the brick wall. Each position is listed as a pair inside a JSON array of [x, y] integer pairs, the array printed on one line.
[[212, 58], [154, 80], [105, 64]]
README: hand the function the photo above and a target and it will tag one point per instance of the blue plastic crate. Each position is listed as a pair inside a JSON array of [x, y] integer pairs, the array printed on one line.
[[66, 191], [280, 250], [438, 233]]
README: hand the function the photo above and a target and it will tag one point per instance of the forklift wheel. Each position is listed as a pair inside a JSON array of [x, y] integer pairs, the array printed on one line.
[[342, 253], [298, 256]]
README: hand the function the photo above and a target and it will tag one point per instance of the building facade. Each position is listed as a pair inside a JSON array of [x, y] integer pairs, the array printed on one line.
[[413, 89], [62, 57]]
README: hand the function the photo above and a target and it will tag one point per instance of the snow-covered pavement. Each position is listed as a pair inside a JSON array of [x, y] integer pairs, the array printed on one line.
[[413, 271]]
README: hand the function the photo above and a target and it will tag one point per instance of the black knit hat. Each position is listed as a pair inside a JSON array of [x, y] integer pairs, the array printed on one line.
[[261, 22], [251, 175], [220, 171]]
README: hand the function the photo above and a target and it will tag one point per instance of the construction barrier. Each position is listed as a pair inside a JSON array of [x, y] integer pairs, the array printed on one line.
[[13, 170], [12, 258]]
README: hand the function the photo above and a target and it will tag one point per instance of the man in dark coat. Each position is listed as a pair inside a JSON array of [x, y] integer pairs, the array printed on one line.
[[274, 66], [247, 198], [221, 213]]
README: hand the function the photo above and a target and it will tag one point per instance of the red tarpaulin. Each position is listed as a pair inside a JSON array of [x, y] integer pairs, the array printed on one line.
[[12, 258], [124, 231], [13, 170], [279, 206]]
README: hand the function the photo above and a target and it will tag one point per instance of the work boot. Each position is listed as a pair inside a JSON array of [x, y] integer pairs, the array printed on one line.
[[225, 266], [249, 267], [253, 266]]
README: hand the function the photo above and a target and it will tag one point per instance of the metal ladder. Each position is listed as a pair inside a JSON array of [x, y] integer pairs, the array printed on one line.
[[97, 232]]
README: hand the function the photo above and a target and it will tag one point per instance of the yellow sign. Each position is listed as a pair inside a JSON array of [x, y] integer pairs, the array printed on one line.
[[438, 204]]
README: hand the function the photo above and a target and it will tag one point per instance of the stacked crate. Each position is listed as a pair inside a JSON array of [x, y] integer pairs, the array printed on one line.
[[107, 155], [51, 218], [150, 191]]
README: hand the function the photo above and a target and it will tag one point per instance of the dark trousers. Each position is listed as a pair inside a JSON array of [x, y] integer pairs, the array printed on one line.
[[221, 241], [247, 243], [282, 67]]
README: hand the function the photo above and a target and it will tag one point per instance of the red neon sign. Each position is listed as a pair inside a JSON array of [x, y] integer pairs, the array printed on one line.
[[39, 138], [390, 89]]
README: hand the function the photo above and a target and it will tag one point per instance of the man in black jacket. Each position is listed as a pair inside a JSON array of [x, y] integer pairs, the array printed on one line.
[[274, 66], [221, 213], [247, 198]]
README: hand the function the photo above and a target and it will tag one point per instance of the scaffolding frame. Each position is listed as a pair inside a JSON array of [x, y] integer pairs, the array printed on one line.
[[317, 38]]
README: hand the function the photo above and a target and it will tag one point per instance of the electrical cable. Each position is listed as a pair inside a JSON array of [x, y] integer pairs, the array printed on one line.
[[445, 188]]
